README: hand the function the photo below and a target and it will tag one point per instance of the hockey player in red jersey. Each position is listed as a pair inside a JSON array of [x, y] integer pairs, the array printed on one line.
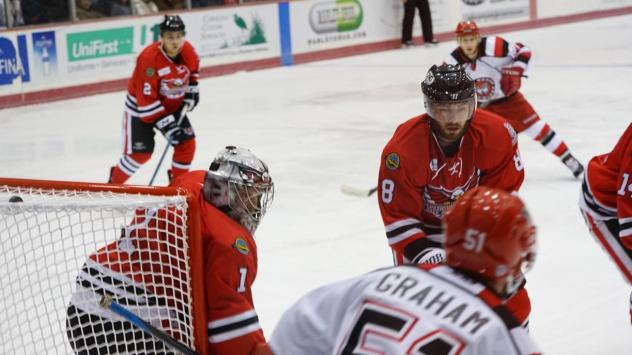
[[434, 158], [163, 88], [497, 67], [606, 203], [427, 309], [232, 197]]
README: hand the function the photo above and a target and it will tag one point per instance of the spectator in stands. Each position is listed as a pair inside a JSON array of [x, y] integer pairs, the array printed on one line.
[[145, 7], [3, 21], [120, 8], [165, 5], [85, 11]]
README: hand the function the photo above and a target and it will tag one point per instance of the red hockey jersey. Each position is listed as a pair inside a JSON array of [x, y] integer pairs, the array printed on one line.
[[143, 267], [418, 183], [607, 187], [158, 84]]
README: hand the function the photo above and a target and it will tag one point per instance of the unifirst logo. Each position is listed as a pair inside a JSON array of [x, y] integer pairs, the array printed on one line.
[[95, 48]]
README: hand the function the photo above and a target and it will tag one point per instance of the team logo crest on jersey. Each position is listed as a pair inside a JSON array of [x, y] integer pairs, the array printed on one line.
[[149, 71], [241, 246], [392, 161], [512, 133], [485, 88], [438, 198]]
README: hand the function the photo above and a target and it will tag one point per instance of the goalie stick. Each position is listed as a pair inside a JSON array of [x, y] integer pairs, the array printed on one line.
[[356, 191], [185, 109], [109, 303]]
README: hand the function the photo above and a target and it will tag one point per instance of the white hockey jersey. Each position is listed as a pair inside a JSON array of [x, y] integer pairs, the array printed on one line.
[[495, 53], [401, 310]]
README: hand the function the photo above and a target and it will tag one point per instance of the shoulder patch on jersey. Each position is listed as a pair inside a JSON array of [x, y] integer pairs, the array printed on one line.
[[241, 246], [149, 71], [392, 161], [164, 71], [512, 133]]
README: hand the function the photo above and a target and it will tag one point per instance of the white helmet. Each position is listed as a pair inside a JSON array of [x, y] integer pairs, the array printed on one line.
[[239, 183]]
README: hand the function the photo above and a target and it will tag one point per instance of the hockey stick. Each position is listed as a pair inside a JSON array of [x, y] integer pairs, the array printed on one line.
[[498, 70], [355, 191], [164, 152], [109, 303]]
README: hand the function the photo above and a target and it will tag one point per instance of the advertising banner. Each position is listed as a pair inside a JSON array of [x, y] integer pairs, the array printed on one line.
[[495, 12], [325, 24], [14, 62], [235, 34]]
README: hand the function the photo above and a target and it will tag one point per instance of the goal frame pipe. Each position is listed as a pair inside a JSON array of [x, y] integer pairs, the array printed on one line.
[[198, 292]]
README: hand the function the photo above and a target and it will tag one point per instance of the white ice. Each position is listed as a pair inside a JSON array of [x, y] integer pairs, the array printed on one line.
[[323, 124]]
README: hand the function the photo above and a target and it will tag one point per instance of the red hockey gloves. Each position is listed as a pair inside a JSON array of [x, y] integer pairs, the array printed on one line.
[[169, 126], [510, 80], [192, 96]]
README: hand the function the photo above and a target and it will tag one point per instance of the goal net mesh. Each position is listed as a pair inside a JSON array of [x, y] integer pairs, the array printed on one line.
[[61, 251]]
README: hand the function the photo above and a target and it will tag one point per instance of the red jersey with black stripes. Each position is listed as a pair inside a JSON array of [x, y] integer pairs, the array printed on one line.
[[402, 310], [494, 54], [607, 187], [146, 265], [158, 84], [418, 183]]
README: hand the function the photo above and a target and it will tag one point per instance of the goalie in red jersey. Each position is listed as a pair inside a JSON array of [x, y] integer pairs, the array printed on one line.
[[606, 203], [163, 88], [497, 67], [434, 158], [143, 270]]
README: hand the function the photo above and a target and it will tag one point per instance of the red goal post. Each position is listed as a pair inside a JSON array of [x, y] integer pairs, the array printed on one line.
[[50, 233]]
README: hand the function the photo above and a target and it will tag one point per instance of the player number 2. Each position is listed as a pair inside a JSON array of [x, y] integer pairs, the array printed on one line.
[[624, 185], [242, 279], [388, 186]]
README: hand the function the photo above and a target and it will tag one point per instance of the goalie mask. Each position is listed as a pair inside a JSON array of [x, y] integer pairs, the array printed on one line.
[[489, 233], [239, 184]]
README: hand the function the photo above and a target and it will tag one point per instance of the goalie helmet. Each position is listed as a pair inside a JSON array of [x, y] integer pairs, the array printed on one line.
[[467, 28], [172, 23], [448, 84], [488, 232], [239, 184]]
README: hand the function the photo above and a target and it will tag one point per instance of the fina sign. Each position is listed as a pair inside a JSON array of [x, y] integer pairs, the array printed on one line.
[[13, 63]]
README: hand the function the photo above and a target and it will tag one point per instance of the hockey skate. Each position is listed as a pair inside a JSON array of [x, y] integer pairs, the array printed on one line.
[[573, 165]]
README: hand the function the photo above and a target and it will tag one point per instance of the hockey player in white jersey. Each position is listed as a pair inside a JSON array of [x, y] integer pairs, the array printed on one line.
[[497, 67], [427, 309]]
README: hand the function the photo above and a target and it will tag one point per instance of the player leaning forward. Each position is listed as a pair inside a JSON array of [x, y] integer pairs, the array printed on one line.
[[606, 203], [162, 89], [434, 158], [497, 67], [451, 308], [137, 270]]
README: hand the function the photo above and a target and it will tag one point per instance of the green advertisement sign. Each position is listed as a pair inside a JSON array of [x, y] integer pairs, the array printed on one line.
[[100, 44]]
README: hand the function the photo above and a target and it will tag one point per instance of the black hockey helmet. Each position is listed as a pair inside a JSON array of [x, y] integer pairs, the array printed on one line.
[[172, 23], [445, 84]]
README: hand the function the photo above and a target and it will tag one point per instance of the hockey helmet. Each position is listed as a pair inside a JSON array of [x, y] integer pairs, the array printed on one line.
[[239, 182], [467, 28], [488, 232], [448, 84], [172, 23]]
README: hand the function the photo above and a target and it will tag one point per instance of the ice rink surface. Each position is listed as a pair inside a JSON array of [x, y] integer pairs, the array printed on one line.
[[324, 124]]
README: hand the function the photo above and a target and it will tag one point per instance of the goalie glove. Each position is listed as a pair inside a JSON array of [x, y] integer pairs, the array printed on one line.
[[430, 256], [169, 127], [192, 96], [511, 80]]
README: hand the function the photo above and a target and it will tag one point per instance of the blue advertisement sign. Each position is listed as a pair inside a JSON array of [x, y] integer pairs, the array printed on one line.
[[44, 54], [13, 62]]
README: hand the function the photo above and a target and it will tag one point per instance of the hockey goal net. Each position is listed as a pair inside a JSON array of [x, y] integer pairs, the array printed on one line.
[[64, 245]]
